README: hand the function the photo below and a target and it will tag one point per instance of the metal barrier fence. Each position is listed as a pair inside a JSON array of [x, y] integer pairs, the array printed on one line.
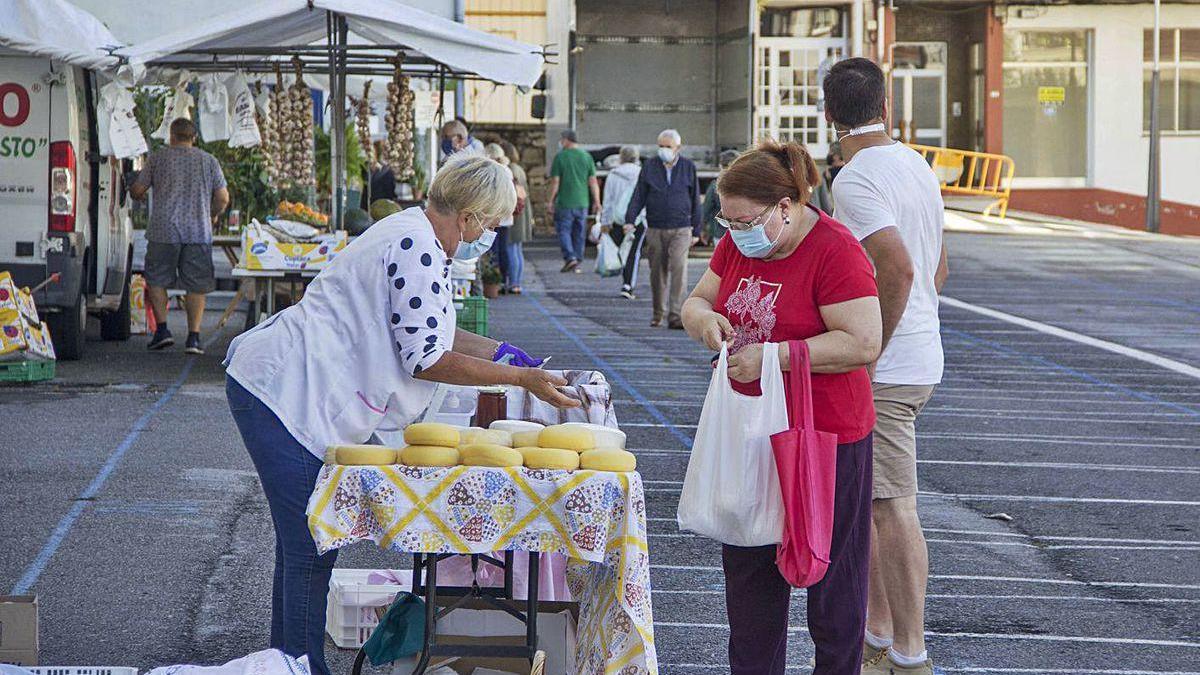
[[977, 174]]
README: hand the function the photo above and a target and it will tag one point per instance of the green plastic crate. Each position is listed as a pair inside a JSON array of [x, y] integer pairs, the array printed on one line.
[[472, 314], [26, 371]]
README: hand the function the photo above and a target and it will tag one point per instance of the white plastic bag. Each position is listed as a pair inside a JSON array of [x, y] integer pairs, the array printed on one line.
[[594, 233], [731, 491], [608, 257], [117, 129], [179, 104], [214, 109], [243, 132]]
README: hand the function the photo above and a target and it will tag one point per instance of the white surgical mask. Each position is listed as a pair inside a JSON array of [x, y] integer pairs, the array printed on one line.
[[667, 155], [865, 129], [470, 250]]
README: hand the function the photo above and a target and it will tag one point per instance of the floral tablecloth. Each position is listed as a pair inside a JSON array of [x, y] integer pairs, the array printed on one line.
[[596, 518]]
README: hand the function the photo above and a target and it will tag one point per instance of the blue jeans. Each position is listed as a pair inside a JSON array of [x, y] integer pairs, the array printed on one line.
[[499, 252], [288, 473], [570, 225], [516, 265]]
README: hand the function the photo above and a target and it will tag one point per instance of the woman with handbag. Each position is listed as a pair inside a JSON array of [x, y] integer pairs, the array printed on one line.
[[789, 272]]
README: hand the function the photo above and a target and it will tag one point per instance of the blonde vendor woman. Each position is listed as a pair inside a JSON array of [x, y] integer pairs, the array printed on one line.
[[363, 350]]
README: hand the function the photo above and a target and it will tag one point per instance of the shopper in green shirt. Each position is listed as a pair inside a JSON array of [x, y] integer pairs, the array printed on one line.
[[572, 177]]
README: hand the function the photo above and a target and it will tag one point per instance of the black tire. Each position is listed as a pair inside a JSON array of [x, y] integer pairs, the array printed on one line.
[[67, 329], [115, 325]]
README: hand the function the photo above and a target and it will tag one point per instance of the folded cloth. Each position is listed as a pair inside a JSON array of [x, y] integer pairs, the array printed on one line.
[[266, 662], [456, 571], [400, 633], [589, 387]]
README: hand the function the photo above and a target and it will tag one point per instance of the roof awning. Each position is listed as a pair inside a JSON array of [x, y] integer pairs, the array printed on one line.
[[265, 30], [55, 29]]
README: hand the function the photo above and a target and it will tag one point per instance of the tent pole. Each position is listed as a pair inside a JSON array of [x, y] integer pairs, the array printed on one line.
[[337, 130]]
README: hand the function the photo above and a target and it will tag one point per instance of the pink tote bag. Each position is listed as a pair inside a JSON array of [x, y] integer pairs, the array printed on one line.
[[806, 460]]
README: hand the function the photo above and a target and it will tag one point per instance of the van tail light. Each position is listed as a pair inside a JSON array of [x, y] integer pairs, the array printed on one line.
[[62, 187]]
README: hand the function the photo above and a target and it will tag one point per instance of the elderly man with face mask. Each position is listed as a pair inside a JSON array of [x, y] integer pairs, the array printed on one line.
[[670, 192]]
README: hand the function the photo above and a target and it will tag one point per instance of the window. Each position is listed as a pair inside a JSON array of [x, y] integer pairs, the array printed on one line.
[[1046, 102], [1179, 79], [817, 22]]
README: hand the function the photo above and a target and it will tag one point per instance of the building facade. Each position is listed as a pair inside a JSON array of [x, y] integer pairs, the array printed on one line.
[[1062, 88]]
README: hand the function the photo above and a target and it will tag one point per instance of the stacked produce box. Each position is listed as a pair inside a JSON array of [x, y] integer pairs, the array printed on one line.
[[23, 336]]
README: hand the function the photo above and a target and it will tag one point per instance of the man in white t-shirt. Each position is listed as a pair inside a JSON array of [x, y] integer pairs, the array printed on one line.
[[888, 197]]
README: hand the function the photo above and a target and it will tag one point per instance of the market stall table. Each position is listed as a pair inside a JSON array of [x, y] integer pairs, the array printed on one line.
[[269, 278], [596, 518]]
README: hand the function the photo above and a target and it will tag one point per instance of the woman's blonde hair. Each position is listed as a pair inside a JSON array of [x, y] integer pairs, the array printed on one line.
[[473, 184], [495, 152]]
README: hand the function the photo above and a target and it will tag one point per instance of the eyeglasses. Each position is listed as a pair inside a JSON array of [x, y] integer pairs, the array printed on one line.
[[741, 225]]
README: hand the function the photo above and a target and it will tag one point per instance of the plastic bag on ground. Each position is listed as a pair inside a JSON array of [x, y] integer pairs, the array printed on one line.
[[731, 490], [266, 662]]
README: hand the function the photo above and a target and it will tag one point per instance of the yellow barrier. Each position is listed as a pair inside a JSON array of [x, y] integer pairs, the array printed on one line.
[[965, 172]]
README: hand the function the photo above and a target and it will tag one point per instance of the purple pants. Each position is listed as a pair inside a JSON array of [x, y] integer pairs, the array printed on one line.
[[756, 595]]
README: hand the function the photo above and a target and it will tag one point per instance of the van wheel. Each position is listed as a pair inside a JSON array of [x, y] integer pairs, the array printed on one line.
[[115, 325], [67, 329]]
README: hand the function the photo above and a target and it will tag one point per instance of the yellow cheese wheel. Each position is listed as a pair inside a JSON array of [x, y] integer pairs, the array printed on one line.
[[331, 455], [429, 455], [550, 458], [363, 455], [608, 460], [525, 439], [474, 436], [431, 433], [567, 438], [485, 454]]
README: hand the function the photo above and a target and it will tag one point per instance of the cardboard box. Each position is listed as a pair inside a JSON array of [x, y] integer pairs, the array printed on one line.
[[19, 630], [21, 338], [556, 637], [16, 299], [262, 251]]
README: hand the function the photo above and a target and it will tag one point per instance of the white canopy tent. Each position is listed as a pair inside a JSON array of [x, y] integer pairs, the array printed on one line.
[[55, 29], [266, 25], [340, 38]]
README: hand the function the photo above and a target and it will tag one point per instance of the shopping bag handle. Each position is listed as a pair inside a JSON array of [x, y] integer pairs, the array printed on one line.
[[799, 373]]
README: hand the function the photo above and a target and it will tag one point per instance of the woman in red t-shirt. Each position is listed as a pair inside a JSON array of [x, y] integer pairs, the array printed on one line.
[[790, 272]]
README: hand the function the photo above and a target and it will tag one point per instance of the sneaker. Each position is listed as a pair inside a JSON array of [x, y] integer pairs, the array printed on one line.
[[656, 322], [886, 666], [872, 656], [675, 325], [161, 340], [193, 345], [628, 294], [571, 265]]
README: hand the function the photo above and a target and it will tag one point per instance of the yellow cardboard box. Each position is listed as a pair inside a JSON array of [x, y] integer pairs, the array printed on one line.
[[22, 338], [262, 251]]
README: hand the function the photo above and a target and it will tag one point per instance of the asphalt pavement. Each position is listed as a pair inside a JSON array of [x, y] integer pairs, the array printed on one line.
[[1070, 405]]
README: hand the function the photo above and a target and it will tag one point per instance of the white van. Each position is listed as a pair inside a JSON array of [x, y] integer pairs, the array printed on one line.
[[63, 207]]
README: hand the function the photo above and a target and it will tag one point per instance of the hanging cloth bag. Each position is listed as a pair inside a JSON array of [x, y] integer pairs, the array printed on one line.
[[214, 109], [807, 463], [179, 104], [731, 491], [243, 132]]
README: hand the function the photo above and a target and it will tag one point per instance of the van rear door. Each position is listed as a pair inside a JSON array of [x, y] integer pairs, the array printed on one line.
[[24, 159]]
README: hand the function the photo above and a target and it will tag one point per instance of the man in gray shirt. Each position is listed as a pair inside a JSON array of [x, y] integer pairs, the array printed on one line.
[[189, 194]]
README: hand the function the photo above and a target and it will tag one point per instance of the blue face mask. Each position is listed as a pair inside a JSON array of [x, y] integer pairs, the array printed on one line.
[[754, 242], [470, 250]]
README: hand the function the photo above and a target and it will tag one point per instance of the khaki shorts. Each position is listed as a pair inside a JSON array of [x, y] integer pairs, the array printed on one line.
[[895, 464]]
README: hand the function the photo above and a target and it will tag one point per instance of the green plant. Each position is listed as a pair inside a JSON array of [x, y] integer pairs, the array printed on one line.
[[491, 275], [355, 162]]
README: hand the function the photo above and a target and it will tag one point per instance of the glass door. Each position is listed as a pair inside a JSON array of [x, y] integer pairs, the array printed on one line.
[[919, 92], [1046, 103], [788, 97]]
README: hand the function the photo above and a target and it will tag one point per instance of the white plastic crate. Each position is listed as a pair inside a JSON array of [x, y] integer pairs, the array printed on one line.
[[82, 670], [350, 613]]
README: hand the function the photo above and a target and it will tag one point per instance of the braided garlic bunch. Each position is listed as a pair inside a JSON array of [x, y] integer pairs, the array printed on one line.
[[362, 123], [399, 123]]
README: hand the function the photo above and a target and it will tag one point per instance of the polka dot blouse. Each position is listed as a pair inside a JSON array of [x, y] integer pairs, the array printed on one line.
[[420, 296]]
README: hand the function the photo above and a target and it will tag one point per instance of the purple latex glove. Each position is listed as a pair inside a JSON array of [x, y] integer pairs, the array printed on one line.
[[515, 356]]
